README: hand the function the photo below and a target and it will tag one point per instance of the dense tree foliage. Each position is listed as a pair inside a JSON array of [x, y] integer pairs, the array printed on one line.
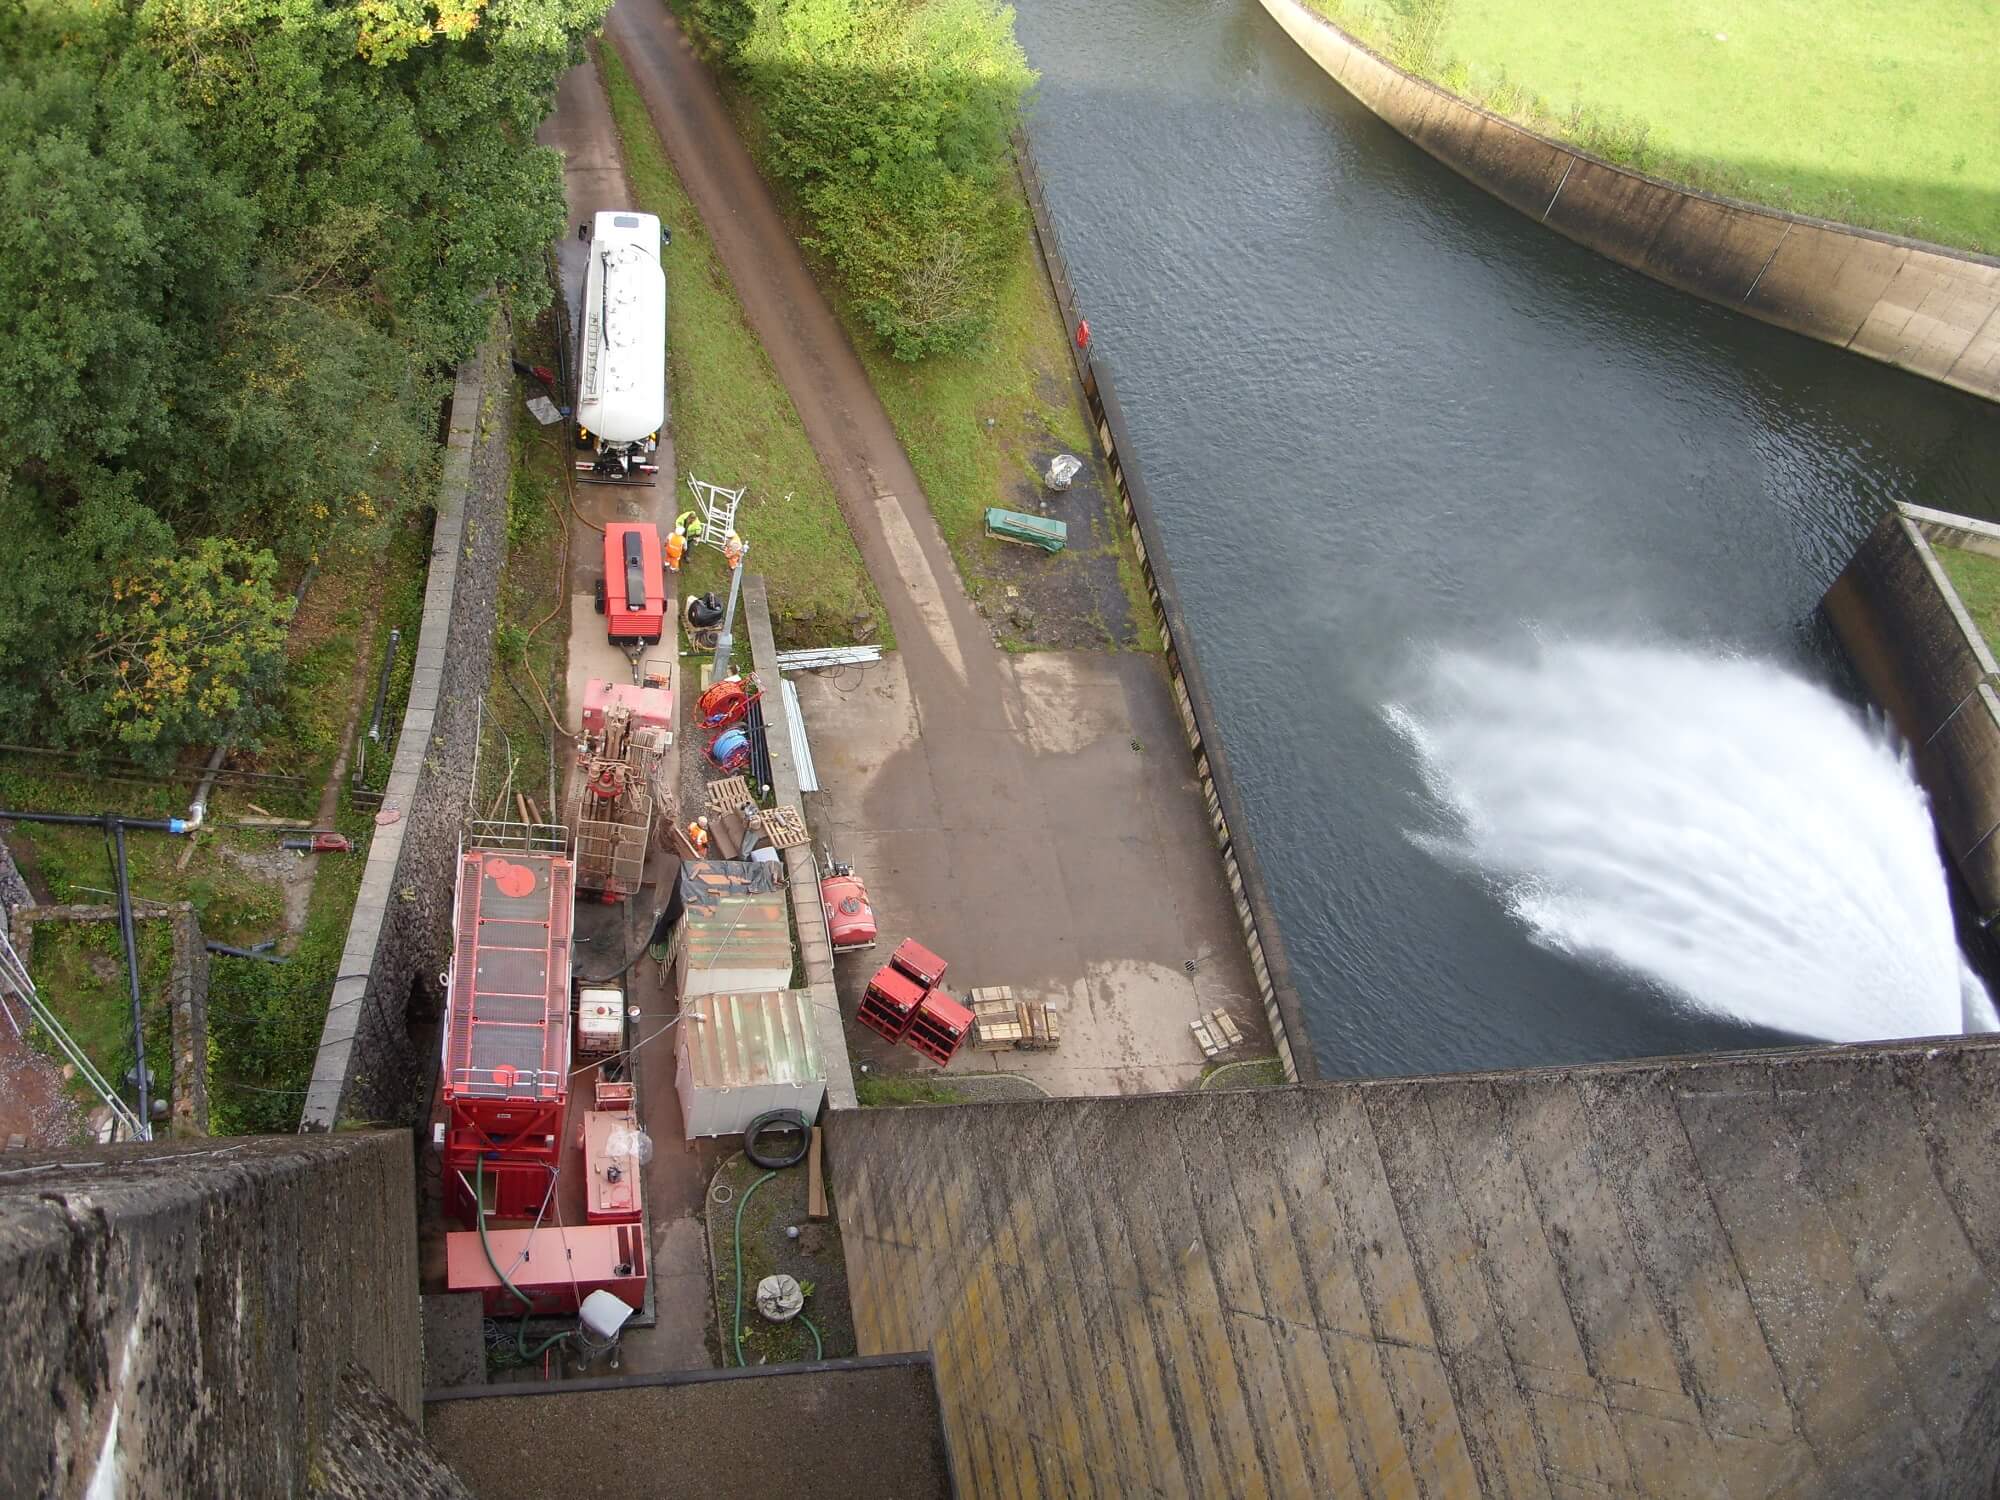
[[889, 120], [241, 244]]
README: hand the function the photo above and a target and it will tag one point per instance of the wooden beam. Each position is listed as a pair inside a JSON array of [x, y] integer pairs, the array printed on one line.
[[815, 1179]]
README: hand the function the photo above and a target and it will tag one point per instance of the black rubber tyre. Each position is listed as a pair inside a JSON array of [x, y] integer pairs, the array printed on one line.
[[789, 1119]]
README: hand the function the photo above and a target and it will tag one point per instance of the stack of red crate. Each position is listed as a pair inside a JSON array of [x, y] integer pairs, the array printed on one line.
[[904, 1004], [890, 1003]]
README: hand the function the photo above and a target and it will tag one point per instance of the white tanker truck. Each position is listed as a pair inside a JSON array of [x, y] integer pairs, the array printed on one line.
[[621, 368]]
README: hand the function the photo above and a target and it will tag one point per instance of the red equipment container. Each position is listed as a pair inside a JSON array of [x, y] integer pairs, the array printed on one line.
[[850, 920], [611, 1156], [939, 1027], [917, 961], [555, 1267], [635, 596], [890, 1003], [506, 1033]]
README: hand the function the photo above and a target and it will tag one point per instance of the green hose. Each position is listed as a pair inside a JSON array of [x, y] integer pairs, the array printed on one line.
[[527, 1303], [741, 1204], [819, 1349]]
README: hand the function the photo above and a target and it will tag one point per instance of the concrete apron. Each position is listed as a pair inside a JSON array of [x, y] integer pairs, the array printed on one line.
[[676, 1179], [994, 804], [1052, 856]]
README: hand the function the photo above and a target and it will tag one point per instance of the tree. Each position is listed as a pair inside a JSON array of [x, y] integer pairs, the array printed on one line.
[[182, 646], [890, 120]]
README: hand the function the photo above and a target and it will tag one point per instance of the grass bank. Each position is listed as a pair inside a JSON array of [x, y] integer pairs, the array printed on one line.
[[1870, 113], [734, 424], [1977, 579], [79, 971]]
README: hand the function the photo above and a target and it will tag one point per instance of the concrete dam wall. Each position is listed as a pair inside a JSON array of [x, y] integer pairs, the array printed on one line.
[[1917, 306], [1759, 1274], [1922, 658]]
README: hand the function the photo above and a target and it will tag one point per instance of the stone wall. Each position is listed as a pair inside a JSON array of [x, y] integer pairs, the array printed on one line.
[[186, 997], [1918, 306], [1200, 724], [179, 1314], [1924, 660], [1772, 1273], [368, 1067]]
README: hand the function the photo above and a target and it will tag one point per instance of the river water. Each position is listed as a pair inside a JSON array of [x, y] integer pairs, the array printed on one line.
[[1382, 415]]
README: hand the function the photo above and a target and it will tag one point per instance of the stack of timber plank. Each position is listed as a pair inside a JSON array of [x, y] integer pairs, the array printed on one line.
[[1001, 1022], [1215, 1033]]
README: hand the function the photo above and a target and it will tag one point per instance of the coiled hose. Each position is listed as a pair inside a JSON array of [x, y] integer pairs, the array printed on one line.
[[527, 1304], [819, 1349]]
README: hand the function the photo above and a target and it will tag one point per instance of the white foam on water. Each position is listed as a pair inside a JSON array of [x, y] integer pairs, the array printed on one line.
[[1717, 825]]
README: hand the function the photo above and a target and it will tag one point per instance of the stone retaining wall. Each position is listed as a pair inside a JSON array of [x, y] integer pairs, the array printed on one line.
[[368, 1066], [1199, 721], [1924, 660], [1918, 306]]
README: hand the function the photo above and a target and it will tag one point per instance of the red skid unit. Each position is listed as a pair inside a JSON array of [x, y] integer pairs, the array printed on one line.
[[939, 1027], [556, 1267], [635, 594], [506, 1034], [917, 961], [890, 1003]]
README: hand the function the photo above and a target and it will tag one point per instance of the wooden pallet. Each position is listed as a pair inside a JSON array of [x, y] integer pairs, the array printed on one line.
[[995, 1027], [1044, 1030], [728, 794], [1215, 1033], [783, 826]]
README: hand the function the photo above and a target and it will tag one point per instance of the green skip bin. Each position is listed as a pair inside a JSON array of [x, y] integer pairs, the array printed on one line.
[[1045, 532]]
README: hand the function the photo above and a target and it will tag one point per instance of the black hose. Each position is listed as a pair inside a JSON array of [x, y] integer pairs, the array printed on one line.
[[785, 1119], [115, 827], [228, 952]]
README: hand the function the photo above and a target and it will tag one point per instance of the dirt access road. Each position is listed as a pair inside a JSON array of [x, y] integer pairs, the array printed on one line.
[[1034, 819]]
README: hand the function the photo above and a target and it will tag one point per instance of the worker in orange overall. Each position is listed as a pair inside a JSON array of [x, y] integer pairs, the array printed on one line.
[[698, 836], [676, 549], [732, 549]]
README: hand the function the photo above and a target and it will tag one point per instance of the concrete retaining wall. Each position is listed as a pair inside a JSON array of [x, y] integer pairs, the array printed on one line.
[[368, 1067], [801, 872], [1199, 721], [1907, 303], [1759, 1274], [179, 1314], [1925, 661]]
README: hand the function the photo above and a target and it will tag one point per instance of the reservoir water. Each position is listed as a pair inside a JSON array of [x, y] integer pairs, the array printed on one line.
[[1383, 417]]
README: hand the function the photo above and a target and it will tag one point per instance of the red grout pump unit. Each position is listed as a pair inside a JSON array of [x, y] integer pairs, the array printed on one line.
[[850, 920], [632, 596], [890, 1003]]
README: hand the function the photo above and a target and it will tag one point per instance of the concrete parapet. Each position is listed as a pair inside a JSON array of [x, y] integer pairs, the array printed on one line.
[[179, 1313], [1923, 659], [1918, 306], [367, 1066], [1765, 1273], [801, 870]]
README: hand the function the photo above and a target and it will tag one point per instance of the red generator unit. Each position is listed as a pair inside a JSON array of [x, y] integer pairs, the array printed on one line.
[[939, 1027], [647, 705], [633, 596], [554, 1267], [890, 1003], [506, 1033], [850, 920], [917, 961]]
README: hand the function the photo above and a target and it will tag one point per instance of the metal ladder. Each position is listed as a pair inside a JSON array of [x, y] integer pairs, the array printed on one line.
[[718, 510]]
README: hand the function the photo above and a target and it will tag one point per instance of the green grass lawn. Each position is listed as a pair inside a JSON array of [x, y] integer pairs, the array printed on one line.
[[79, 971], [734, 424], [1881, 113], [1977, 579]]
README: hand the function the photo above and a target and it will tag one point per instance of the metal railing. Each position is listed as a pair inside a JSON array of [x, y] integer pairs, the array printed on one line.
[[15, 984]]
